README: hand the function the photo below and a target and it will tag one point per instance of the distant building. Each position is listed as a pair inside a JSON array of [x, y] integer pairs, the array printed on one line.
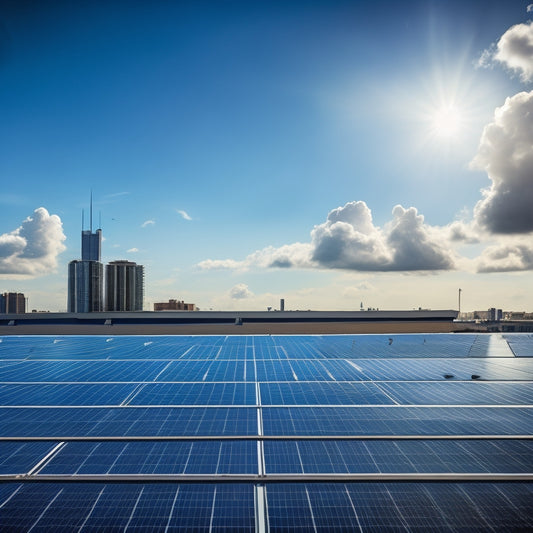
[[124, 286], [85, 287], [174, 305], [518, 315], [12, 302], [86, 277], [494, 315]]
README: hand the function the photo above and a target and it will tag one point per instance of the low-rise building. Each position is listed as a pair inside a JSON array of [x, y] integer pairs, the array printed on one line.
[[174, 305]]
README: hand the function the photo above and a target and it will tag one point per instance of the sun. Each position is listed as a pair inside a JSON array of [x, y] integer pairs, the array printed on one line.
[[446, 122]]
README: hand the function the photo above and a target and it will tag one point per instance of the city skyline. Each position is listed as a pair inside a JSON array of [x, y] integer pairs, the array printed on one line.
[[328, 153]]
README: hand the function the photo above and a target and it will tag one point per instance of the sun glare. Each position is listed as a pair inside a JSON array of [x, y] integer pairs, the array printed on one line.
[[446, 122]]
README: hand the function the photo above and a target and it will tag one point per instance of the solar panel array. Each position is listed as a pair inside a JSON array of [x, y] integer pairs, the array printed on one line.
[[267, 433]]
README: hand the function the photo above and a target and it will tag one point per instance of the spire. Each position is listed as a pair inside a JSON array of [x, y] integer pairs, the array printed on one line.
[[91, 211]]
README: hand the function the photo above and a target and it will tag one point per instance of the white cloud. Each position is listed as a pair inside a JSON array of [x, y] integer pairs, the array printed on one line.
[[515, 50], [460, 231], [240, 292], [132, 250], [529, 8], [184, 214], [486, 60], [32, 249], [506, 153], [221, 264], [296, 255], [349, 240], [516, 255], [147, 223]]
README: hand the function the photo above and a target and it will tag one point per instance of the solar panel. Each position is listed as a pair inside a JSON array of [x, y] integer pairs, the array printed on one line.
[[267, 433]]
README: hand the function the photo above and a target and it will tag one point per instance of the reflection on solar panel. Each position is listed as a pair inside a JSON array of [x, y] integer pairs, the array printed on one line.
[[267, 433]]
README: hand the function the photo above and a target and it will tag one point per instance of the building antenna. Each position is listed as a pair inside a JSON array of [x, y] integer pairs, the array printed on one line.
[[82, 219], [99, 219], [91, 210]]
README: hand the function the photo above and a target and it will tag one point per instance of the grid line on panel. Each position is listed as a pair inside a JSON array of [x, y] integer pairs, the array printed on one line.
[[258, 401], [46, 458], [171, 513], [132, 395], [97, 499], [45, 510]]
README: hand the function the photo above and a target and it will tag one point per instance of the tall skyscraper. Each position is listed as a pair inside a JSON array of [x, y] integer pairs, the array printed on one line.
[[91, 245], [86, 276], [124, 286]]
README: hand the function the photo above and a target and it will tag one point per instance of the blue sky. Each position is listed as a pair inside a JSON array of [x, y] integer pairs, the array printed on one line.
[[248, 151]]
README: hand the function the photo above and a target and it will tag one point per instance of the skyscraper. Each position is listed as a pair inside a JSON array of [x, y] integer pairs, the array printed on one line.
[[91, 245], [86, 276], [85, 286], [124, 286]]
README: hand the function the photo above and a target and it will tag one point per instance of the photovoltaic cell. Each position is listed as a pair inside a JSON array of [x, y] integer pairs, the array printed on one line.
[[20, 457], [62, 394], [399, 506], [68, 507], [118, 422], [80, 371], [174, 457], [460, 393], [195, 394], [397, 421], [323, 394], [402, 456], [521, 345]]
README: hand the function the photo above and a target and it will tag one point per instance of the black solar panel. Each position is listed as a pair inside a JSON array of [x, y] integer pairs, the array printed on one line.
[[267, 433]]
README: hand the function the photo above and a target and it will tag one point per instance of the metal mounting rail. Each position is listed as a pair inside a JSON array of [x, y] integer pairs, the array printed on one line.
[[268, 478], [152, 438]]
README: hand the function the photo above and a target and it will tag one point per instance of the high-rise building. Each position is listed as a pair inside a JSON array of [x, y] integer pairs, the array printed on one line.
[[85, 286], [124, 286], [91, 245], [12, 302], [86, 277]]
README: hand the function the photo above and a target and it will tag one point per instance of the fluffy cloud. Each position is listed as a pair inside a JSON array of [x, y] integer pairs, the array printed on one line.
[[240, 292], [508, 257], [147, 223], [463, 232], [515, 50], [32, 249], [183, 214], [416, 245], [348, 239], [506, 153], [296, 255]]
